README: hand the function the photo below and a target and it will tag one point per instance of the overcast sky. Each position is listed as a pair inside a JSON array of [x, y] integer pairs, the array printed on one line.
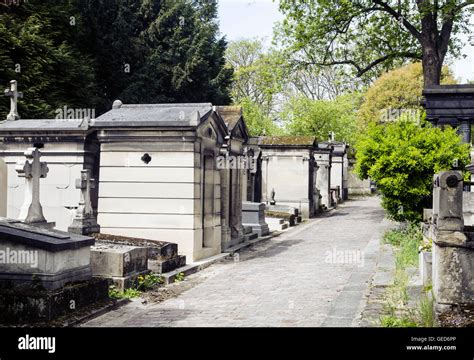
[[255, 18]]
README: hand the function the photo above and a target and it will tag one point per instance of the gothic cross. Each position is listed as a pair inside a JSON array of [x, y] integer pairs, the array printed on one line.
[[32, 169], [85, 184], [14, 95]]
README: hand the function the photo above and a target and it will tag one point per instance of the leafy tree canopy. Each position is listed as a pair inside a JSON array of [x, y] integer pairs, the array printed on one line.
[[396, 91], [304, 116], [372, 36], [402, 157]]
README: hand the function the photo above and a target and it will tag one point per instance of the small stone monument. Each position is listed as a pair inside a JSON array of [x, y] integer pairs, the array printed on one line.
[[32, 169], [84, 222], [453, 246], [272, 194], [14, 95]]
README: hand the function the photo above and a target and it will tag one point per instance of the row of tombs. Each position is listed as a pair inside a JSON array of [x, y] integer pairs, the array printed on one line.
[[143, 188]]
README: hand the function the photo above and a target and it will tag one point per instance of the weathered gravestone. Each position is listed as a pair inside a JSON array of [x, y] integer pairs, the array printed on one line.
[[253, 215], [84, 222], [453, 246]]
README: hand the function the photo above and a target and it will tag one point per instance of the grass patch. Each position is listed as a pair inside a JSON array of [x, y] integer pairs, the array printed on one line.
[[143, 283], [406, 242]]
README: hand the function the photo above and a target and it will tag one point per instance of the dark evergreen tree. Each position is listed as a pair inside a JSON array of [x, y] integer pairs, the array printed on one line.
[[37, 48], [87, 53]]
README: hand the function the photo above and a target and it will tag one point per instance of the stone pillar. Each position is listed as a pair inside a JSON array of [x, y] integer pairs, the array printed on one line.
[[225, 225], [236, 207], [3, 188], [453, 249]]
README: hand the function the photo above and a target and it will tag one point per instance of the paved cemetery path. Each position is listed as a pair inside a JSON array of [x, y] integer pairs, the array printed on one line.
[[313, 275]]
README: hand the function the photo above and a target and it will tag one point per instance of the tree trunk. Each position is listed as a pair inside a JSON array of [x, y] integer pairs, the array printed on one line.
[[432, 65]]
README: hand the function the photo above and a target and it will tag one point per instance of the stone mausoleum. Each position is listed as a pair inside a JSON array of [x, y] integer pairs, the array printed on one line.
[[152, 171], [159, 179], [290, 167]]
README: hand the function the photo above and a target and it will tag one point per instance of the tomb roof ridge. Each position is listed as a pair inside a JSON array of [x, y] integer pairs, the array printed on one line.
[[286, 140]]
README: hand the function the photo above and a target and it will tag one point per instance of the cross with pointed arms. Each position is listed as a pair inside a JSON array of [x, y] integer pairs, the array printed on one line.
[[14, 95]]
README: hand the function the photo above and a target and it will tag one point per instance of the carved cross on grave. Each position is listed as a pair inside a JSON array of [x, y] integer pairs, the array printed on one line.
[[85, 184], [84, 222], [32, 169], [14, 95]]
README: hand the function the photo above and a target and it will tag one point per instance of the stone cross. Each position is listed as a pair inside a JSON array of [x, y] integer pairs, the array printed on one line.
[[32, 169], [331, 136], [14, 95], [85, 184], [84, 222]]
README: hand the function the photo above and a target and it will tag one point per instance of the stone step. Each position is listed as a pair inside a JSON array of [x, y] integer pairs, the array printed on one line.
[[163, 266], [251, 236], [277, 224]]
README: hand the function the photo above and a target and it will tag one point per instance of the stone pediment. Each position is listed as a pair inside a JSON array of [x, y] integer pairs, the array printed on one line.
[[213, 128]]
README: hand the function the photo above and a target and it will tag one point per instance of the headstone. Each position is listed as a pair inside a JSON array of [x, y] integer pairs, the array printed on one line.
[[14, 95], [253, 215], [32, 169], [453, 246], [84, 222], [447, 201]]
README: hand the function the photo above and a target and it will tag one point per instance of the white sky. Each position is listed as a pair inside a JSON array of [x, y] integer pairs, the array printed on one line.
[[255, 18]]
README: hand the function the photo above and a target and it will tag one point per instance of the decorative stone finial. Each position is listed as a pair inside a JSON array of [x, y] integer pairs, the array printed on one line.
[[117, 104]]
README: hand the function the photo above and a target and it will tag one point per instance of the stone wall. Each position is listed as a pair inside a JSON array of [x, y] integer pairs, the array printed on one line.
[[160, 200], [356, 186]]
